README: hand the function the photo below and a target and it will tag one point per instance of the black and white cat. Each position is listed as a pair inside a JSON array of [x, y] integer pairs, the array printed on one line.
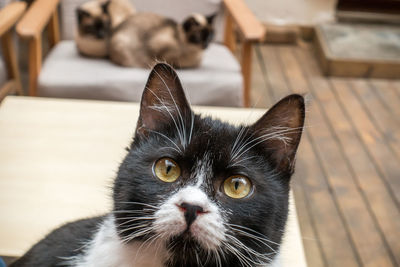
[[192, 190]]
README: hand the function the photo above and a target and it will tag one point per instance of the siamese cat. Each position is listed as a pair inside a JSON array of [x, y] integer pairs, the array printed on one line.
[[96, 19], [134, 39], [145, 38]]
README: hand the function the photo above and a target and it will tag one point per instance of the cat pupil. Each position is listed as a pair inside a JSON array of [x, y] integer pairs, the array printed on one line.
[[236, 185], [169, 168]]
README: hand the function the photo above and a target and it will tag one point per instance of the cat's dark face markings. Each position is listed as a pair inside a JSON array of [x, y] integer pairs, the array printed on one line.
[[189, 208], [94, 20], [199, 29]]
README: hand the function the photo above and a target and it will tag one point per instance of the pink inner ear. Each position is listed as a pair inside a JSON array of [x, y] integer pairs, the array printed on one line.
[[281, 128]]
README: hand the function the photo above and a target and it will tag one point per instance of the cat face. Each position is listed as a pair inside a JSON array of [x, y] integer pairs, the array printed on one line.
[[199, 29], [212, 193], [93, 19]]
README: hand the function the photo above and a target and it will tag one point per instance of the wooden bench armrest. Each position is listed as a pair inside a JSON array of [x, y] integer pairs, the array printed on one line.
[[10, 14], [251, 31], [36, 18], [248, 24], [40, 14]]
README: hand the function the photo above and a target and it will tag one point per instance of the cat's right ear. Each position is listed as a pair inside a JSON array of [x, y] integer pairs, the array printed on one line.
[[105, 7], [210, 19], [280, 129], [163, 100]]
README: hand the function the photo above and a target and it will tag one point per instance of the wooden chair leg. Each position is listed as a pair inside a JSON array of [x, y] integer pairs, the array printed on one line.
[[35, 63], [10, 58], [246, 71], [229, 36], [54, 30]]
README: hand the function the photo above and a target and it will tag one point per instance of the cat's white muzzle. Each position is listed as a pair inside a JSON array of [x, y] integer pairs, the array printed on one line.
[[208, 227]]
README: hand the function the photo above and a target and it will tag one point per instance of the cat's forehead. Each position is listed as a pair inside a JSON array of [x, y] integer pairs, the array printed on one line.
[[211, 138], [200, 19], [93, 8]]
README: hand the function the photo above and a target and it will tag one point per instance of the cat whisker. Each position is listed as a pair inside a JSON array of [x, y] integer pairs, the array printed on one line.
[[242, 145], [244, 228], [168, 110], [138, 203], [147, 243], [143, 211], [255, 239], [249, 258], [129, 212], [191, 127], [177, 149], [244, 261], [272, 132], [135, 214], [217, 257], [133, 227], [238, 139], [237, 163], [253, 256], [135, 219], [184, 141], [137, 234], [272, 135], [131, 217]]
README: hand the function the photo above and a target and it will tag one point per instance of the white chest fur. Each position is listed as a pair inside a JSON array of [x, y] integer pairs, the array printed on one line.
[[106, 250]]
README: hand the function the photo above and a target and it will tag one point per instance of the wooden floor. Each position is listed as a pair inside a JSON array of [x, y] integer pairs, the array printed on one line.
[[347, 181]]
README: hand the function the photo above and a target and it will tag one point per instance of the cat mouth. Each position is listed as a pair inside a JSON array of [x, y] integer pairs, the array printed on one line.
[[187, 238]]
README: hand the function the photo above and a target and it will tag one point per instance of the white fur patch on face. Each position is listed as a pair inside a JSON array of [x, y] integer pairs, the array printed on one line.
[[208, 228], [202, 170]]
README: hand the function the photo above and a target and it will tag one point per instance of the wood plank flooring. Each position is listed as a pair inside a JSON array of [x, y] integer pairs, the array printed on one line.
[[347, 180]]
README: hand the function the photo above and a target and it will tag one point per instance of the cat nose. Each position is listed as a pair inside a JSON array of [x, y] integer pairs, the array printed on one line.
[[191, 212]]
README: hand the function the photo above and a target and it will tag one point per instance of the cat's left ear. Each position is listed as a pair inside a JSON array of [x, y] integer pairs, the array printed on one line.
[[105, 6], [119, 11], [280, 129], [163, 100], [210, 19]]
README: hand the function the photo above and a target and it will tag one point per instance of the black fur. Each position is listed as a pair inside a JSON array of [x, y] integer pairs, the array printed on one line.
[[55, 248]]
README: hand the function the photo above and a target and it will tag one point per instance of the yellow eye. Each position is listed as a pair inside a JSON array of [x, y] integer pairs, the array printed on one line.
[[167, 170], [237, 186]]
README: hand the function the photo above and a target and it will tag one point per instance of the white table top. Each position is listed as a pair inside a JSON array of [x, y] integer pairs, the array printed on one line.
[[58, 159]]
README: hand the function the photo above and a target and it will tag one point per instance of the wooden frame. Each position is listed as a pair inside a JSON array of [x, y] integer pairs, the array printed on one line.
[[44, 12], [40, 14], [251, 31], [9, 15], [334, 65]]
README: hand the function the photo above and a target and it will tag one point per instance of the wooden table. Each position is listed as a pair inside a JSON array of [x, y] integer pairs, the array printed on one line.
[[58, 159]]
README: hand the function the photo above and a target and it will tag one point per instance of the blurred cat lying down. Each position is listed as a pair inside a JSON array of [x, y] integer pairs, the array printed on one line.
[[114, 29]]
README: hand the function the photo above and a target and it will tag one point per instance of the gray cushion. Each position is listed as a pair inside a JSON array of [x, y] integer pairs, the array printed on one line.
[[176, 9], [3, 72], [3, 3], [218, 81]]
